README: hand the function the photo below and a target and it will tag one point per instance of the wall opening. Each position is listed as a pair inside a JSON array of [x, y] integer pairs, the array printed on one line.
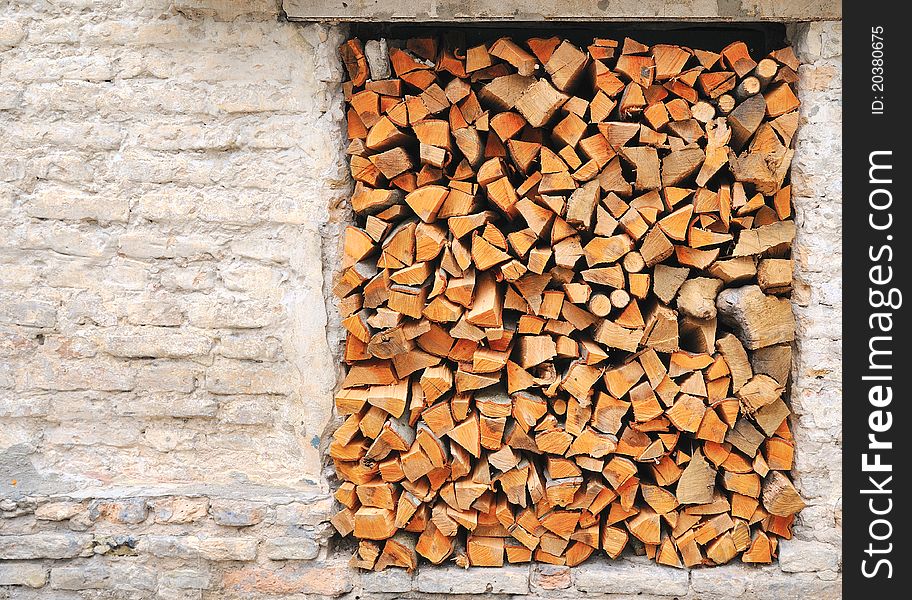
[[566, 294]]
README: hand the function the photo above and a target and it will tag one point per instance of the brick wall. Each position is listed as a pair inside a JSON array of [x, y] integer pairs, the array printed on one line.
[[171, 193]]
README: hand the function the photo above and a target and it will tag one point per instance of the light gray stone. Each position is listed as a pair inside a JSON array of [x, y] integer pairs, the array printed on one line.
[[291, 548], [187, 579], [377, 55], [236, 513], [156, 342], [509, 579], [629, 576], [25, 574], [95, 577], [179, 509], [799, 556], [44, 545], [388, 581], [58, 511], [724, 581]]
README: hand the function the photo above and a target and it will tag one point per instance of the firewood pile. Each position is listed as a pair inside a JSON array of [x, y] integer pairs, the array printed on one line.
[[566, 298]]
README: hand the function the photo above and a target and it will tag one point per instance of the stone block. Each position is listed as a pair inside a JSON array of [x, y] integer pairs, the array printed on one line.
[[64, 203], [44, 545], [129, 511], [629, 576], [186, 579], [509, 579], [58, 511], [24, 574], [156, 342], [551, 577], [236, 513], [179, 509], [331, 579], [292, 548], [800, 556], [98, 577], [246, 377]]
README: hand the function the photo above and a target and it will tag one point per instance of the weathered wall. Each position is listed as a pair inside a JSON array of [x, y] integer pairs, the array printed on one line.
[[171, 193], [167, 173]]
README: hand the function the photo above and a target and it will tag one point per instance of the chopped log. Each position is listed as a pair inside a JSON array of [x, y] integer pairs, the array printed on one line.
[[697, 297], [779, 495], [355, 61], [759, 320], [539, 103], [565, 65]]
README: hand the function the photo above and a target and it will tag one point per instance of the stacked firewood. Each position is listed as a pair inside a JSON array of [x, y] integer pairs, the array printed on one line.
[[566, 303]]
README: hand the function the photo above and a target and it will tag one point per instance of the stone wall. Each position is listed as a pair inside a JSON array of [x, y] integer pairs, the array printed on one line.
[[171, 194]]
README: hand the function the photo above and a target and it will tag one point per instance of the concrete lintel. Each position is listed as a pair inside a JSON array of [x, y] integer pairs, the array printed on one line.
[[469, 11]]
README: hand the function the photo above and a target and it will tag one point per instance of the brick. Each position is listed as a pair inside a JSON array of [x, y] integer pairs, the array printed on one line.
[[153, 310], [156, 342], [180, 205], [31, 313], [292, 548], [266, 10], [155, 245], [193, 277], [774, 585], [10, 95], [236, 513], [179, 509], [16, 276], [166, 405], [70, 375], [43, 545], [88, 308], [327, 579], [67, 240], [265, 247], [509, 579], [257, 280], [629, 576], [231, 313], [107, 433], [77, 346], [68, 133], [168, 376], [249, 347], [169, 437], [17, 405], [72, 205], [39, 68], [245, 377], [23, 574], [247, 410]]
